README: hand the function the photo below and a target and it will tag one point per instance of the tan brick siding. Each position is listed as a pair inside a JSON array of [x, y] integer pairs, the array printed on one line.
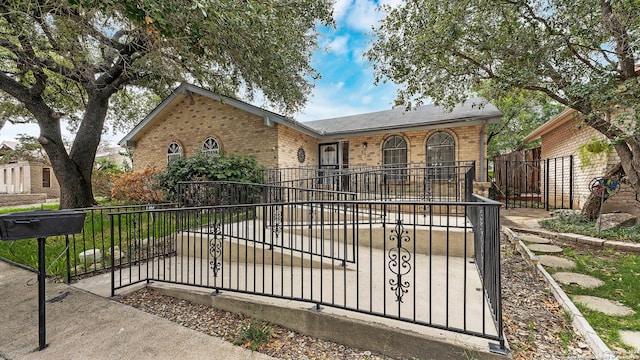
[[195, 119], [564, 141], [289, 141], [467, 145], [25, 177]]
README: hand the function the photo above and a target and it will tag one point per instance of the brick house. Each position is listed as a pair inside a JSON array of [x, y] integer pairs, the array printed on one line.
[[562, 136], [26, 181], [192, 120]]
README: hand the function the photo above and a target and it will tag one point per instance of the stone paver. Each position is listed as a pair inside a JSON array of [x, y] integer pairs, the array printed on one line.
[[534, 239], [631, 338], [545, 248], [556, 262], [605, 306], [581, 280]]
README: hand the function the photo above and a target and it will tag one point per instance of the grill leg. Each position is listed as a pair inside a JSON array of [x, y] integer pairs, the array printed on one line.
[[41, 279]]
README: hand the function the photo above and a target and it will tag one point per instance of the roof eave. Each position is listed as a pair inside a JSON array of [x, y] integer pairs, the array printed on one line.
[[424, 126], [550, 125]]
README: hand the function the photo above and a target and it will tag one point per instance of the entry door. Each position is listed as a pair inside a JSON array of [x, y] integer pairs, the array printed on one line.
[[333, 157], [329, 156]]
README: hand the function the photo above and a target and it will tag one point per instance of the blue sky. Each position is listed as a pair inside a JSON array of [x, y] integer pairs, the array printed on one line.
[[346, 85]]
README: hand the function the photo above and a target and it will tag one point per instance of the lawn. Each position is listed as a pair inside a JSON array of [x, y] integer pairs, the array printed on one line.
[[619, 270]]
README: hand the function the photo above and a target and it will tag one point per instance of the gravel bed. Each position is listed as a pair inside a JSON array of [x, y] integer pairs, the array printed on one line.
[[535, 325]]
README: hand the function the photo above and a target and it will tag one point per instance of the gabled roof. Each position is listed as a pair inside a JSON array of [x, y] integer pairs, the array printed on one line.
[[185, 90], [563, 117], [474, 111], [8, 145]]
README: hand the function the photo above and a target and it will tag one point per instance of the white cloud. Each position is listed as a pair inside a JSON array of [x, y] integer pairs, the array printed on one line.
[[340, 9], [363, 15], [339, 45]]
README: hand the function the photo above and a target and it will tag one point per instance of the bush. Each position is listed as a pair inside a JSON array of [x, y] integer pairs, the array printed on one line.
[[139, 187], [210, 167]]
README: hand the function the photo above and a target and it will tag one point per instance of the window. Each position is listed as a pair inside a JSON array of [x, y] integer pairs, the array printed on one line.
[[174, 152], [394, 155], [46, 177], [211, 146], [441, 155]]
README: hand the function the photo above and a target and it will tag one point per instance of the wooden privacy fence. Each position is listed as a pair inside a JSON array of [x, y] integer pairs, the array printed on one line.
[[518, 173], [523, 179]]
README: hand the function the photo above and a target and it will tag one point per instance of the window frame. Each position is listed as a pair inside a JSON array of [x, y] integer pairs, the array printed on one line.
[[173, 155]]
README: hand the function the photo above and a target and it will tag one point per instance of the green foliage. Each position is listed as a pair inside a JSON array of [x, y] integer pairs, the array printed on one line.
[[593, 151], [522, 112], [577, 53], [28, 149], [97, 64], [253, 334], [103, 171], [578, 224], [210, 167]]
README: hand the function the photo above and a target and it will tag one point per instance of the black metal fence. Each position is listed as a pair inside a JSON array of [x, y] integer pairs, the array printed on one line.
[[546, 183], [412, 181], [90, 251], [379, 258]]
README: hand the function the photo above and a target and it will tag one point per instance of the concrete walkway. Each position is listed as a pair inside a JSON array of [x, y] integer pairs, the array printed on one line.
[[81, 325]]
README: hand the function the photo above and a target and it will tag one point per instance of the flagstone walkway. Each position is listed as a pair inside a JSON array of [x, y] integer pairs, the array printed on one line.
[[543, 247]]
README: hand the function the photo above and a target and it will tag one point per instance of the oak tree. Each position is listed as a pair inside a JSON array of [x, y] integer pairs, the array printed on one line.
[[96, 62], [580, 53]]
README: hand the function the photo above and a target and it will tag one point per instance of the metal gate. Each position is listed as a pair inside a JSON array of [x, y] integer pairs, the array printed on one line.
[[528, 182]]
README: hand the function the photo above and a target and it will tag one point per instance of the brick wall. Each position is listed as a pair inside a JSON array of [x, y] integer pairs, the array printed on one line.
[[195, 119], [467, 141], [24, 177], [564, 141], [289, 142]]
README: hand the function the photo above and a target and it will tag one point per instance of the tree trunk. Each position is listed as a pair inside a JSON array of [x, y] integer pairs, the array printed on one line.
[[591, 208], [73, 170]]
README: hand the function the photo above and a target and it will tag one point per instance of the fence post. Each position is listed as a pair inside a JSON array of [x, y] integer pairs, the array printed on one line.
[[506, 184], [570, 181], [546, 183]]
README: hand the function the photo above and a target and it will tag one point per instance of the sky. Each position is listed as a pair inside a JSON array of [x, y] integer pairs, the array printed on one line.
[[346, 86]]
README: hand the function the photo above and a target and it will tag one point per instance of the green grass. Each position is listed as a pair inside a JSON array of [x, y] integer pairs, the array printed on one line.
[[621, 274], [131, 229], [578, 224], [253, 334], [620, 271]]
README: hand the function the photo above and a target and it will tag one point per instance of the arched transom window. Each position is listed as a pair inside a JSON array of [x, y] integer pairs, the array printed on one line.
[[211, 146], [441, 149], [174, 152], [394, 155]]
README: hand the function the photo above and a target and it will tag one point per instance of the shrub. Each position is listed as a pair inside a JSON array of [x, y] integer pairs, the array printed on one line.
[[139, 187], [210, 167]]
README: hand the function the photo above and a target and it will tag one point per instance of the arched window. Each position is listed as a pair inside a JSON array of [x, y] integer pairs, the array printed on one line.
[[211, 146], [174, 152], [441, 154], [394, 155]]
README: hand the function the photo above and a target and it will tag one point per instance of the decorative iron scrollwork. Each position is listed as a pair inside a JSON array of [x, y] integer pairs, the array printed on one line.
[[215, 248], [277, 221], [399, 261]]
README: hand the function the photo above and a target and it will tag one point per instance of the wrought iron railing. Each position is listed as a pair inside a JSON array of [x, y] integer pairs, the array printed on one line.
[[415, 181], [379, 258]]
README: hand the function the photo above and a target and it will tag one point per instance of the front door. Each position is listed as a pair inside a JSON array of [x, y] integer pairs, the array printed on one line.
[[333, 157]]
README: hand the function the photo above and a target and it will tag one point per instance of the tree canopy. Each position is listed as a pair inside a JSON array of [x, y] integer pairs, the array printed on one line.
[[580, 53], [86, 61]]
